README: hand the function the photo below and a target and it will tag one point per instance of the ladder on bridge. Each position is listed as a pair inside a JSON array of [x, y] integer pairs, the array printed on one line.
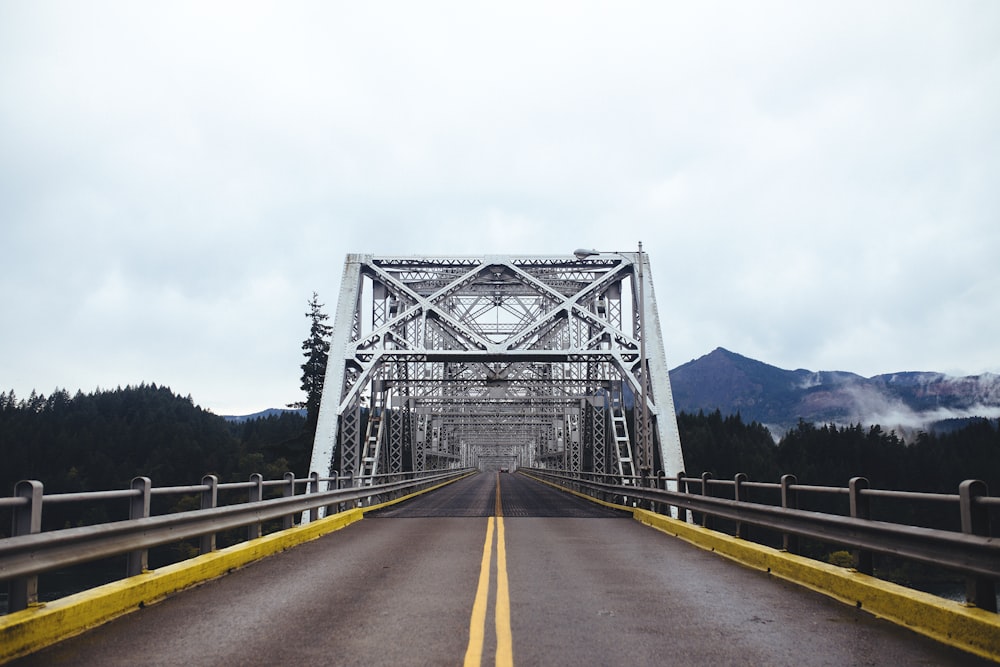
[[619, 428], [372, 447]]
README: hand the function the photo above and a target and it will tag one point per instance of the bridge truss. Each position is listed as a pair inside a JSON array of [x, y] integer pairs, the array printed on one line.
[[496, 362]]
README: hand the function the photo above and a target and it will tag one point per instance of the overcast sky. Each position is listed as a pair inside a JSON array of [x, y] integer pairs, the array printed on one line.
[[817, 184]]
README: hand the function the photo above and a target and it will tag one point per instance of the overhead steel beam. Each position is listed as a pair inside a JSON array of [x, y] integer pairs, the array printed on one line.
[[453, 351]]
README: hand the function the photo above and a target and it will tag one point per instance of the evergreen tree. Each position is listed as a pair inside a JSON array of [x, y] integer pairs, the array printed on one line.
[[315, 349]]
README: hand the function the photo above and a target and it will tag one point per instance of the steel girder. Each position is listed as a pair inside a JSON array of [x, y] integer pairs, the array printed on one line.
[[436, 362]]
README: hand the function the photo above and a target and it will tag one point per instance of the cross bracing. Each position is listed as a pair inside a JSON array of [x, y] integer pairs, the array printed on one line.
[[438, 362]]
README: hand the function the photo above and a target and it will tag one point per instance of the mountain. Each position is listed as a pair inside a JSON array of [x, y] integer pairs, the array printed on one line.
[[777, 397]]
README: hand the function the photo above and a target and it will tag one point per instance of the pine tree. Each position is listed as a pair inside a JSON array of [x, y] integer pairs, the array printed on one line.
[[315, 349]]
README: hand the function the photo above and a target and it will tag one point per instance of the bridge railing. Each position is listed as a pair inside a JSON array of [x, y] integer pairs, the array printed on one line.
[[29, 551], [970, 550]]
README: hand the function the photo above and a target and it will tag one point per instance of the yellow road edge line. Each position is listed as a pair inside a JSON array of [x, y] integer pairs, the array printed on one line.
[[387, 503], [965, 627], [38, 626], [505, 643], [24, 632], [477, 622], [953, 623]]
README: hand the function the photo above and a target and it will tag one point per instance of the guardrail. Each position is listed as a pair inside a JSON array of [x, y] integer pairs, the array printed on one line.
[[30, 552], [971, 551]]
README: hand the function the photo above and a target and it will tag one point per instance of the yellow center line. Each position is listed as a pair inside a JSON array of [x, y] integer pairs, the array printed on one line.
[[505, 653], [498, 506], [477, 624]]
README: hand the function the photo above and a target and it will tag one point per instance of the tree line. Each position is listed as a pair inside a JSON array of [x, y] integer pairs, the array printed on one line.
[[829, 455], [101, 440]]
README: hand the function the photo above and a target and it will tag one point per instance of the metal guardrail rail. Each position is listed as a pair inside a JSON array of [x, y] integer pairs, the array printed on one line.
[[30, 552], [973, 552]]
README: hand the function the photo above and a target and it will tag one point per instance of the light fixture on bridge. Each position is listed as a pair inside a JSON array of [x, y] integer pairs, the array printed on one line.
[[583, 253]]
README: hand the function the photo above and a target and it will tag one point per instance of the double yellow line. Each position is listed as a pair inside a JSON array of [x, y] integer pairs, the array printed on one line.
[[477, 624]]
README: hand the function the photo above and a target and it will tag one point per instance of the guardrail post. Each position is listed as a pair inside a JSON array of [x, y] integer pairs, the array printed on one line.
[[256, 495], [332, 485], [314, 488], [980, 591], [706, 520], [345, 481], [740, 496], [861, 509], [789, 500], [646, 481], [209, 500], [661, 484], [287, 491], [138, 508], [682, 487], [27, 519]]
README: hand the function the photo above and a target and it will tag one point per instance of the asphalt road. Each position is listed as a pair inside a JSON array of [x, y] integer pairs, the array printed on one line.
[[586, 586]]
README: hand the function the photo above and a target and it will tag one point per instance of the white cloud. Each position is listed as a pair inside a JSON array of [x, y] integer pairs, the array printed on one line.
[[814, 184]]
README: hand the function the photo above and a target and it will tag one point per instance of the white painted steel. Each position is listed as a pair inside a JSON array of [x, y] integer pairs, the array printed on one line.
[[474, 360]]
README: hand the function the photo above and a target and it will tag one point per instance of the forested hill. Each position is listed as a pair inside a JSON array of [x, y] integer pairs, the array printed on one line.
[[103, 439]]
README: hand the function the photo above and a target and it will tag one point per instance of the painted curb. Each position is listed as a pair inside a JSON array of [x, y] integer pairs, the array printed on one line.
[[32, 629], [965, 627], [953, 623]]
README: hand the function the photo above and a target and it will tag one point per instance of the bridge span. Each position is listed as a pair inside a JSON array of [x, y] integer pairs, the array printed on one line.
[[498, 569]]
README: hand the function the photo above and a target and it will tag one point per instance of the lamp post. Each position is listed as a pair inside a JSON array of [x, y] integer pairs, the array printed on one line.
[[645, 444]]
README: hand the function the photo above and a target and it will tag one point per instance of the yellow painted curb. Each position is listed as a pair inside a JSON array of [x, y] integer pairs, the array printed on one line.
[[968, 628], [953, 623], [42, 625]]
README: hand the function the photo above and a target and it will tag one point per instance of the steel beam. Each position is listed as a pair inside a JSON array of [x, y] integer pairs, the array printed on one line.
[[438, 359]]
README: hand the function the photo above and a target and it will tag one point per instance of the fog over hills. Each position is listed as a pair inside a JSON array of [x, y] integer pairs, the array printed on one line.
[[905, 401]]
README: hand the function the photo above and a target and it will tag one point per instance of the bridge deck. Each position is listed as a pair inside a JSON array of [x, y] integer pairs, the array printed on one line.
[[586, 587]]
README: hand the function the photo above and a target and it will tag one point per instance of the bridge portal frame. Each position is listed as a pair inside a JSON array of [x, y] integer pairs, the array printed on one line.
[[437, 361]]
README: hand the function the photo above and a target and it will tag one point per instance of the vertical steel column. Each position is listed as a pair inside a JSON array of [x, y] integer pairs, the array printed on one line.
[[256, 495], [340, 374], [138, 508], [288, 490], [209, 500], [707, 521], [980, 591], [789, 500], [740, 496], [861, 509], [420, 443], [27, 519], [682, 512], [350, 437], [314, 488], [642, 435]]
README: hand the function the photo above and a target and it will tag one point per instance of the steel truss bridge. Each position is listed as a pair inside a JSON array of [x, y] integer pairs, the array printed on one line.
[[497, 362]]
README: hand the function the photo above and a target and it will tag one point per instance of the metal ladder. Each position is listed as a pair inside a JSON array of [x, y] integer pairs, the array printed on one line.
[[372, 447], [619, 427]]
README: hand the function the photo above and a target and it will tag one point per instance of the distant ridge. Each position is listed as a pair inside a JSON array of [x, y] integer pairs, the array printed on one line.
[[907, 401], [270, 412]]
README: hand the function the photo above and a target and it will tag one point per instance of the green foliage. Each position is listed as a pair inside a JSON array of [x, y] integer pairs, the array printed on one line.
[[830, 455], [840, 559], [725, 446], [316, 350], [102, 440]]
